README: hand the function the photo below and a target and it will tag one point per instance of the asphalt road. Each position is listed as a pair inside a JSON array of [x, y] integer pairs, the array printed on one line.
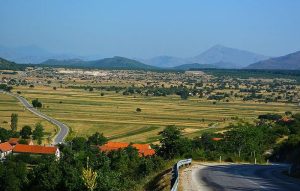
[[63, 129], [238, 177]]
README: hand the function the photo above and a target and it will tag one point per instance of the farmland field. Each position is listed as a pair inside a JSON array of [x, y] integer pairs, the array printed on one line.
[[9, 105], [115, 115]]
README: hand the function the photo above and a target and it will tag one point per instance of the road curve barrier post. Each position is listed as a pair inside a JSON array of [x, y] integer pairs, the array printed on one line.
[[175, 173]]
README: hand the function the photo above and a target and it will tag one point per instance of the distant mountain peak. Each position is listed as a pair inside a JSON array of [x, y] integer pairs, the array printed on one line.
[[219, 54], [287, 62]]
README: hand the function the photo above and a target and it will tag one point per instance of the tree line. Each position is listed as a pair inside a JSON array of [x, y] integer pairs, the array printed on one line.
[[26, 132], [83, 166]]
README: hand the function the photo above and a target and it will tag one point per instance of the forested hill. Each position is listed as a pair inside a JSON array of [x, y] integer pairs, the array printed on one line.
[[8, 65], [119, 63], [116, 62]]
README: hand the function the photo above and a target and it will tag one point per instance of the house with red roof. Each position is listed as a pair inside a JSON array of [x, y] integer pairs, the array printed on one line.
[[5, 149], [36, 150], [143, 149]]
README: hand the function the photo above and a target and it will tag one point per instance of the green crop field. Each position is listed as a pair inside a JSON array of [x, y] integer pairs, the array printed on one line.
[[115, 115], [9, 105]]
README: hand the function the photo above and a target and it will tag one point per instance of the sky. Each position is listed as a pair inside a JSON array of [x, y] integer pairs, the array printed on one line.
[[148, 28]]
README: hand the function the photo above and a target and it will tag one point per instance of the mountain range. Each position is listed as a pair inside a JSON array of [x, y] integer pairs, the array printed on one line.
[[216, 57], [287, 62], [34, 55]]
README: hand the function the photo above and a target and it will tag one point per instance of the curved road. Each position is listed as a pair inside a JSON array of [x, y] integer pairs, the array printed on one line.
[[238, 177], [63, 129]]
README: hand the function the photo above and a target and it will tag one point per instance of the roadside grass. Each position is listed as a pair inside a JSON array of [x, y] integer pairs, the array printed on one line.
[[115, 114]]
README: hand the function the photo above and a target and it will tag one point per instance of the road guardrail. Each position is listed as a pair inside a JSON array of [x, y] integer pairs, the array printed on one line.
[[175, 173]]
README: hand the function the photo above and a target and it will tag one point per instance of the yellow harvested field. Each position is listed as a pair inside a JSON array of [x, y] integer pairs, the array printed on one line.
[[115, 114], [9, 105]]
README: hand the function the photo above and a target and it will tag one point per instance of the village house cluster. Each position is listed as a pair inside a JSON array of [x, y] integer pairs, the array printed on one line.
[[12, 146]]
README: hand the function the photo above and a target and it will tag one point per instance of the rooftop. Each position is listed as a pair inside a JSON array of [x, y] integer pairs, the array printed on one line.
[[143, 149], [5, 147], [34, 149]]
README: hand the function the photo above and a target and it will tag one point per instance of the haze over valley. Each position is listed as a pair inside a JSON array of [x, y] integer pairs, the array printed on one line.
[[149, 95]]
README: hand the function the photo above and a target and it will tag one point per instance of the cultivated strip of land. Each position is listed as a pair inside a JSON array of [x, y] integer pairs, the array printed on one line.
[[63, 129]]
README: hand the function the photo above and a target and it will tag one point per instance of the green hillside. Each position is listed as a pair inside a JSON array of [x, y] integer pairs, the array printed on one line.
[[119, 63], [8, 65]]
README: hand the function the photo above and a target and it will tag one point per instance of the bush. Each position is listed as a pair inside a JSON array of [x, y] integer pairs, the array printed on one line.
[[36, 103], [199, 154]]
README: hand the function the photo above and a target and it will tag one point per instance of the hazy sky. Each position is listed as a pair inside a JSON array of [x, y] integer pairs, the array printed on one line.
[[146, 28]]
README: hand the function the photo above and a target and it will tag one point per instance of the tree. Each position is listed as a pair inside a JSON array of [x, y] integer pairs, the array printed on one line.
[[25, 132], [14, 122], [14, 176], [36, 103], [79, 143], [289, 113], [4, 134], [172, 143], [5, 87], [48, 176], [97, 139], [89, 177], [38, 133], [272, 117], [246, 139], [184, 94], [23, 141]]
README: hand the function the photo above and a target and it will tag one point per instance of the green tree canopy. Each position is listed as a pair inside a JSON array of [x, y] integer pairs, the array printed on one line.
[[14, 121], [97, 139], [36, 103], [172, 143], [38, 133], [25, 132]]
